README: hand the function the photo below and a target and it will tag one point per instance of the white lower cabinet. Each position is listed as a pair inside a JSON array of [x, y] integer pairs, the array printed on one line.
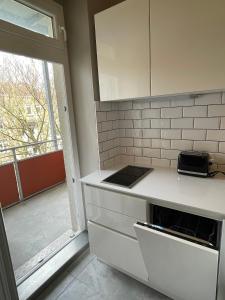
[[181, 269], [124, 204], [111, 219], [117, 250]]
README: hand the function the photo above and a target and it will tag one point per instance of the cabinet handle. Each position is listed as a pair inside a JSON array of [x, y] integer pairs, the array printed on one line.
[[177, 234]]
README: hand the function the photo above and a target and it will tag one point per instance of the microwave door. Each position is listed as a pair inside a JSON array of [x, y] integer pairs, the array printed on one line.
[[175, 265]]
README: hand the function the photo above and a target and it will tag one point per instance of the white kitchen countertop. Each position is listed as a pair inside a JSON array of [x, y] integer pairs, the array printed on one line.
[[163, 186]]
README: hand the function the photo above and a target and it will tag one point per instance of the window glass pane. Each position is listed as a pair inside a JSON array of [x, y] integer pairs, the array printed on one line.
[[26, 17]]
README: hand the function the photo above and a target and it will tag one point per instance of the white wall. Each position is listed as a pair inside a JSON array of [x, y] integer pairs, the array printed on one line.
[[79, 50]]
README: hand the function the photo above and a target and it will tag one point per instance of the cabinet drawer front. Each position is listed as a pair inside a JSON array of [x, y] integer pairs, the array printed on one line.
[[117, 250], [179, 268], [127, 205], [111, 219]]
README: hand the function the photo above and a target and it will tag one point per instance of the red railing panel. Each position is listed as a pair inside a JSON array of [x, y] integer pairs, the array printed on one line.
[[41, 172], [8, 186]]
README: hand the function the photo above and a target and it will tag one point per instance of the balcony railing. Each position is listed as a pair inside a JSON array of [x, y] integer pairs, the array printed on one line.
[[30, 169]]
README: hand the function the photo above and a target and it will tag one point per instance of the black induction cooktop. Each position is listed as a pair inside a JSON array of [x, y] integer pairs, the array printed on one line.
[[128, 176]]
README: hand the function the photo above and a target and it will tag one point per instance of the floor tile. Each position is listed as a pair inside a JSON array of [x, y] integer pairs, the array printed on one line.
[[90, 279], [77, 290], [112, 284], [56, 287]]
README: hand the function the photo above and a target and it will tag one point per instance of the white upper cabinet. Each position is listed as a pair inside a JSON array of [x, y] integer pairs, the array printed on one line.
[[187, 46], [122, 39]]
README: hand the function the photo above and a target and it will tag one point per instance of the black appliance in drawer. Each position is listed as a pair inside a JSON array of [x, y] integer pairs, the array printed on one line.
[[194, 228]]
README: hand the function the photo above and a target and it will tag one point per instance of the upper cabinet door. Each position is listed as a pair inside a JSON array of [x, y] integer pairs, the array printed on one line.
[[122, 38], [187, 46]]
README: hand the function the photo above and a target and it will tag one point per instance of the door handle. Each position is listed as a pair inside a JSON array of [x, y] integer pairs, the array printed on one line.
[[177, 234]]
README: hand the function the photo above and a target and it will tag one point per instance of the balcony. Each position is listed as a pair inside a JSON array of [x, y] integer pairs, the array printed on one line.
[[35, 204]]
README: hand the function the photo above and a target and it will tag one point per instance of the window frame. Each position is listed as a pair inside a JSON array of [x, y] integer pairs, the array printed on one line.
[[21, 41], [28, 43]]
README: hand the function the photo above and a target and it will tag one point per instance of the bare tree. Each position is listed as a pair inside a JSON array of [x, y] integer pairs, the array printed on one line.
[[23, 107]]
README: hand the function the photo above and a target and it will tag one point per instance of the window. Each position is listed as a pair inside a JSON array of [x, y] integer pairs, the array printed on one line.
[[26, 17], [29, 110], [2, 145]]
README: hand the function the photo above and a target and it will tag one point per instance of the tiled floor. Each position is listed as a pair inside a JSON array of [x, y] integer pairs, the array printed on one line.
[[90, 279]]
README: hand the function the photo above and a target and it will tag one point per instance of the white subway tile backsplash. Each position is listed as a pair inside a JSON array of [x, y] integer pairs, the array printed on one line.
[[127, 159], [126, 142], [160, 103], [173, 163], [182, 144], [188, 134], [132, 114], [116, 142], [121, 115], [151, 113], [206, 123], [195, 111], [97, 106], [122, 132], [123, 150], [223, 97], [99, 127], [106, 106], [222, 147], [141, 104], [108, 163], [143, 143], [222, 124], [101, 116], [206, 146], [208, 99], [160, 123], [161, 162], [112, 134], [183, 102], [169, 154], [148, 152], [106, 126], [136, 133], [104, 156], [112, 115], [219, 158], [134, 151], [216, 110], [175, 112], [151, 133], [141, 123], [174, 134], [125, 105], [107, 145], [182, 123], [159, 143], [216, 135], [143, 161], [221, 168], [115, 124], [102, 137], [155, 131], [125, 124], [115, 106]]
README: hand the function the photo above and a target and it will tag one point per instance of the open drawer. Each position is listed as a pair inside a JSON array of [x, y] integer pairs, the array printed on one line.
[[177, 267]]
